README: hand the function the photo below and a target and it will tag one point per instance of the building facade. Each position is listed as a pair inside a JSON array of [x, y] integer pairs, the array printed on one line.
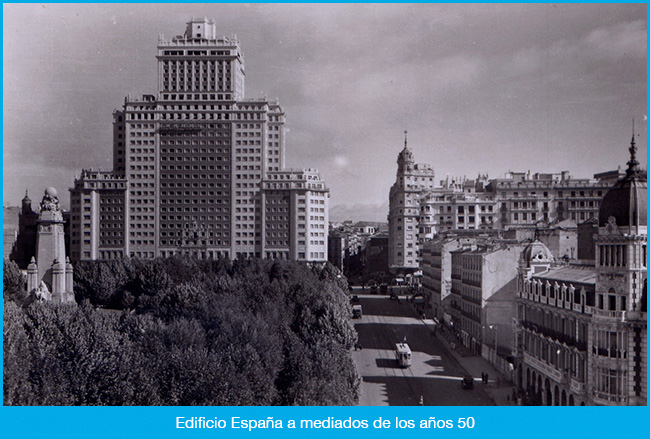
[[554, 310], [23, 248], [420, 210], [582, 331], [482, 295], [525, 198], [436, 272], [190, 165], [412, 182], [296, 217], [618, 365]]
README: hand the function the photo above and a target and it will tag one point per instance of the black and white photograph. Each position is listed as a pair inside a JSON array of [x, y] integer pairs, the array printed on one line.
[[324, 204]]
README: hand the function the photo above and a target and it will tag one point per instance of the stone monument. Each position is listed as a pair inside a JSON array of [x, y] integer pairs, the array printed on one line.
[[49, 276]]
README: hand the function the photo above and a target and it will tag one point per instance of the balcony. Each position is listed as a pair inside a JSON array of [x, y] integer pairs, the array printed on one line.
[[609, 399], [547, 369], [616, 315], [609, 353], [577, 386], [560, 337]]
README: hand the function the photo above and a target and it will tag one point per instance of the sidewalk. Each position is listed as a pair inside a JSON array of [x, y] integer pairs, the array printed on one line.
[[497, 388]]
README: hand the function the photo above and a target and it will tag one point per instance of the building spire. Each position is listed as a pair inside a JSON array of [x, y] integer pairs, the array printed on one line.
[[405, 139], [632, 164]]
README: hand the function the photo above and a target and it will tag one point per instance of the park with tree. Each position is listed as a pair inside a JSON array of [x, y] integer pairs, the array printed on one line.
[[182, 331]]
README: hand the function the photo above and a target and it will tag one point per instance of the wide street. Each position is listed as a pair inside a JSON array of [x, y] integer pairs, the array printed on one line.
[[434, 377]]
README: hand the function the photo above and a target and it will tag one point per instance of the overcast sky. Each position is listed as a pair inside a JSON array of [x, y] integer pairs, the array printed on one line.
[[480, 88]]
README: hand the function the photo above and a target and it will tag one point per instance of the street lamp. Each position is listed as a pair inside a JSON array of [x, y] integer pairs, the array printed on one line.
[[496, 339]]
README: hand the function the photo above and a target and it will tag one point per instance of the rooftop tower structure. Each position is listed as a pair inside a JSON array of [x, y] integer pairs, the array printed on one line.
[[412, 182]]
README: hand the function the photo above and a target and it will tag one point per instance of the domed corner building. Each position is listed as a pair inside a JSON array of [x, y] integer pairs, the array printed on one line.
[[618, 331], [581, 331], [537, 257]]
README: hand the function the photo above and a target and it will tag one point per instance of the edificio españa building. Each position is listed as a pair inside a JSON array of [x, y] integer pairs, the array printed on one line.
[[199, 169]]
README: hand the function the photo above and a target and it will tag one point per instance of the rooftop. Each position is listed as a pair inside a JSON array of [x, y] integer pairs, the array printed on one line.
[[569, 274]]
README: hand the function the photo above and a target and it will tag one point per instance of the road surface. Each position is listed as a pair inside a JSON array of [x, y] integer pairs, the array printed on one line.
[[434, 376]]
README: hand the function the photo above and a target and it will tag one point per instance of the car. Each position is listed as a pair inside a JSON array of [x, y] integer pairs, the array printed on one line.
[[355, 298], [468, 382], [393, 296], [357, 311]]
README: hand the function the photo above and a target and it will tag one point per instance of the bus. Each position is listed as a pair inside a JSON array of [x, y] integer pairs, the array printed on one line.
[[403, 354]]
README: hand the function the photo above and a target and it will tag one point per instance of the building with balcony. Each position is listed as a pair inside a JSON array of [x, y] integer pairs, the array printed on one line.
[[554, 310], [581, 331], [525, 199], [546, 206], [618, 332]]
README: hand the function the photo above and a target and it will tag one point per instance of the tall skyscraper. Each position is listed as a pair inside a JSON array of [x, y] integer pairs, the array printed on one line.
[[189, 164]]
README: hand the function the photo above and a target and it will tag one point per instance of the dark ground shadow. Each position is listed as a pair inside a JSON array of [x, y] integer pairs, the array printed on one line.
[[389, 363], [383, 306], [438, 392]]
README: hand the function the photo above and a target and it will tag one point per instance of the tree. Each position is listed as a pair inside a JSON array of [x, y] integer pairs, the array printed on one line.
[[14, 284], [191, 333]]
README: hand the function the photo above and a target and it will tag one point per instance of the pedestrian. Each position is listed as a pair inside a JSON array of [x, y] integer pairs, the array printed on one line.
[[487, 378]]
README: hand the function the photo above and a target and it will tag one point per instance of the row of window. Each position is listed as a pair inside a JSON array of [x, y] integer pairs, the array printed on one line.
[[197, 96], [198, 177], [215, 222]]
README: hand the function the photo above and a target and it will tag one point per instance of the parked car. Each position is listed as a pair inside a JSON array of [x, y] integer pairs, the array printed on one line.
[[468, 382], [357, 312], [355, 298]]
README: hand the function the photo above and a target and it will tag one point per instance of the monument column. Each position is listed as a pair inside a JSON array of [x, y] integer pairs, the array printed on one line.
[[50, 249]]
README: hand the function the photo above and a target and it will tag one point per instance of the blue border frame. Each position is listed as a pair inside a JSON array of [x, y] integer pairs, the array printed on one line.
[[497, 422]]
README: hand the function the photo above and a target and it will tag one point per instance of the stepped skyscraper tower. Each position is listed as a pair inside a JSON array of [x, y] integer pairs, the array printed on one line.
[[199, 169]]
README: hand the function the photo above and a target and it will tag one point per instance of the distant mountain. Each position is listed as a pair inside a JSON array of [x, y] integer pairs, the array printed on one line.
[[359, 212]]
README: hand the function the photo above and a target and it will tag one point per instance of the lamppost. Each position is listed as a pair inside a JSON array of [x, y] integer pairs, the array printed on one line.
[[496, 340]]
